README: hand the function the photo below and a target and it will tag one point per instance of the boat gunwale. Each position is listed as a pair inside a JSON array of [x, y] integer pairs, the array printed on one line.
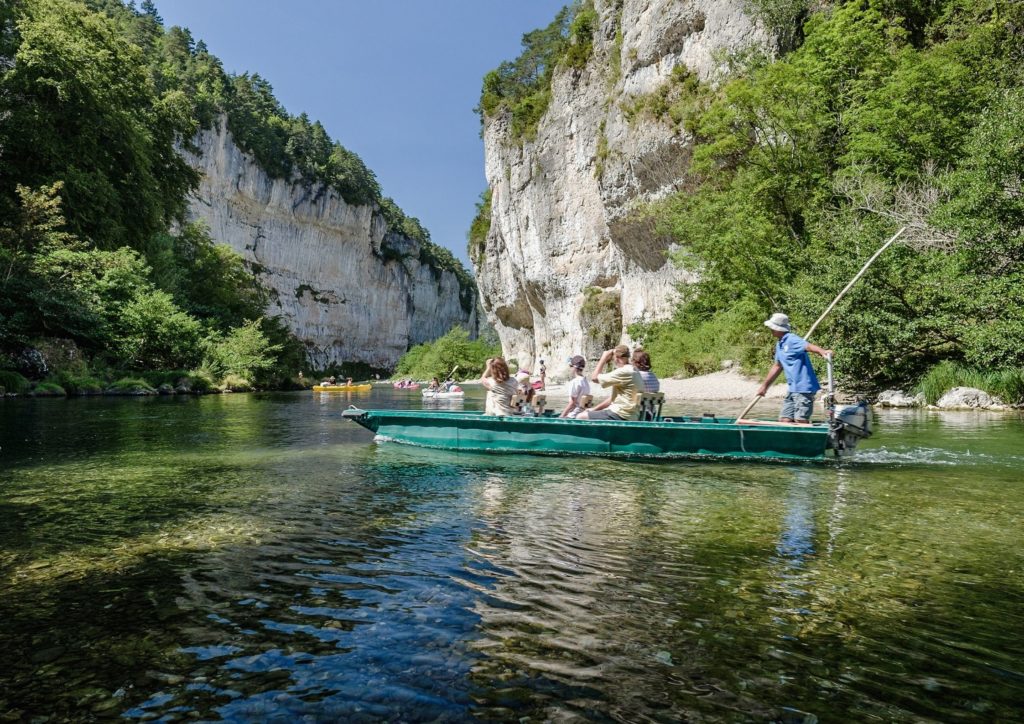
[[815, 428]]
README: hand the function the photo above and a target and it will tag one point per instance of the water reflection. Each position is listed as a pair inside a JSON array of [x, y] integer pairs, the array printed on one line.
[[254, 558]]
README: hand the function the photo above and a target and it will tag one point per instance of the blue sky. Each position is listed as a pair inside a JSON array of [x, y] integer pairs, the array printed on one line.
[[395, 81]]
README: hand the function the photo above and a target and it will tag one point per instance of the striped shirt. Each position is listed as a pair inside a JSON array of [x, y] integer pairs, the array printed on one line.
[[651, 383]]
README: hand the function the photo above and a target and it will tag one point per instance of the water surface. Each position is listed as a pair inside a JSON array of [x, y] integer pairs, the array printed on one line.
[[257, 558]]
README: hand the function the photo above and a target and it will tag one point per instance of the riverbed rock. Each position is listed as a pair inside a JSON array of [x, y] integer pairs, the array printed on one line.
[[899, 399], [570, 260], [165, 389], [969, 398]]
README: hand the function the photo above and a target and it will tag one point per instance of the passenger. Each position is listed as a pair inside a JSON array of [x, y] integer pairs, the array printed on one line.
[[435, 384], [626, 384], [578, 387], [523, 386], [642, 364], [791, 357], [348, 381], [500, 387], [332, 380]]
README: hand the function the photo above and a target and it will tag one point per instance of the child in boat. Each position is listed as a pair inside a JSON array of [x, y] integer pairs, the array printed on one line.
[[523, 386], [500, 387], [579, 387]]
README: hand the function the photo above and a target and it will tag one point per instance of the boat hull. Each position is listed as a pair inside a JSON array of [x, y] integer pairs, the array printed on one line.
[[342, 388], [471, 431]]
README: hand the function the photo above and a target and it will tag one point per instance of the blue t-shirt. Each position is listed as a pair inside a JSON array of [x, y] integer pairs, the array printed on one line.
[[791, 353]]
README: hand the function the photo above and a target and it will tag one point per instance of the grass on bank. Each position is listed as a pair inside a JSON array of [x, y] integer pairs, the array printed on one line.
[[1007, 384]]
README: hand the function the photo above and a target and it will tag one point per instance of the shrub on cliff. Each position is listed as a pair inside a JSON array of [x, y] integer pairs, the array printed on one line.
[[522, 87], [480, 227]]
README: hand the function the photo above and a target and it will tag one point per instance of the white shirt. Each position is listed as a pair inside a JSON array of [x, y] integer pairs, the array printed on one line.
[[577, 388]]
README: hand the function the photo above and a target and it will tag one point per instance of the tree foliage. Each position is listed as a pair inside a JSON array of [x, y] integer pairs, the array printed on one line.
[[79, 108], [522, 87], [438, 358], [97, 99], [891, 112]]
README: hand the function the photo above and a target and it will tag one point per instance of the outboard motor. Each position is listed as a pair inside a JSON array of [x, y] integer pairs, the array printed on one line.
[[849, 424]]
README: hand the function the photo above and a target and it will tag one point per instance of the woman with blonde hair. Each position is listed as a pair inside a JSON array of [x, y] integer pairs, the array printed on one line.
[[500, 387]]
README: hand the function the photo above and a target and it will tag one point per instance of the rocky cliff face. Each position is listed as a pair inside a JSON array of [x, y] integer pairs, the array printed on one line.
[[345, 286], [568, 263]]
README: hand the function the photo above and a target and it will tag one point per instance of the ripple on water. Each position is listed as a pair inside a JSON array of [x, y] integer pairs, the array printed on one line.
[[380, 582]]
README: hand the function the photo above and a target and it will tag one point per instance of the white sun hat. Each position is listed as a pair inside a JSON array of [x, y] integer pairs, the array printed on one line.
[[778, 322]]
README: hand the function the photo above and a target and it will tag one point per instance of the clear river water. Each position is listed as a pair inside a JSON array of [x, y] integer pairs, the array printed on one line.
[[257, 558]]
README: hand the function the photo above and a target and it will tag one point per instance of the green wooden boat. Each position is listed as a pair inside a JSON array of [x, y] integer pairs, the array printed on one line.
[[683, 437]]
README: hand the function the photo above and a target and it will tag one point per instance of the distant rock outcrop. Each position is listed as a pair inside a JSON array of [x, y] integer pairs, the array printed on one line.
[[347, 287], [567, 265]]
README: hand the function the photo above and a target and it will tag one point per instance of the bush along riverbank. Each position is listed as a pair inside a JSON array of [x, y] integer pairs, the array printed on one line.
[[244, 361], [955, 386]]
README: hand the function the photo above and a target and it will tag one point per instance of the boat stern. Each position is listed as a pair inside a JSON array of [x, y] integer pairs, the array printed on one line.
[[849, 425]]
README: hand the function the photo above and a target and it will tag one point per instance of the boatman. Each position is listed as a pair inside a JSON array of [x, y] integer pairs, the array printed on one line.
[[791, 357]]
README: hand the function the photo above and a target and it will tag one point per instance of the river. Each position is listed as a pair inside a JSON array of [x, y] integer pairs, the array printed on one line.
[[257, 558]]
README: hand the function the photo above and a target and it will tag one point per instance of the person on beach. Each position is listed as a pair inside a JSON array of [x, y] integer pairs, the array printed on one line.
[[626, 384], [642, 364], [791, 357], [579, 387], [500, 387]]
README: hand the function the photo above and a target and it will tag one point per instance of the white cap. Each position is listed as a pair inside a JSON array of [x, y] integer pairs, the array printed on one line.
[[778, 322]]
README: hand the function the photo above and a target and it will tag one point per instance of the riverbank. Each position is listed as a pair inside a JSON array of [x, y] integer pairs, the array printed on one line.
[[731, 385], [724, 385]]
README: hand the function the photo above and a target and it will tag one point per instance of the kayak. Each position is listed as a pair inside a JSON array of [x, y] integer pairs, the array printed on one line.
[[343, 388], [681, 437], [442, 395]]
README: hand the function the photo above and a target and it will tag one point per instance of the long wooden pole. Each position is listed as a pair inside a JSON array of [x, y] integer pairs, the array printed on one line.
[[835, 301]]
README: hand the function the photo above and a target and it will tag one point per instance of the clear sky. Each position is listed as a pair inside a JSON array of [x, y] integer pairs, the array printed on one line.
[[395, 81]]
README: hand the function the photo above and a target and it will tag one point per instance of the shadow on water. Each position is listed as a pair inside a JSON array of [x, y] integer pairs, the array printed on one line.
[[258, 558]]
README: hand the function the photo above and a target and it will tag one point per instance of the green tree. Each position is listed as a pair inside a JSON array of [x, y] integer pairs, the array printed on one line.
[[438, 358], [244, 351], [151, 332], [79, 108], [803, 166]]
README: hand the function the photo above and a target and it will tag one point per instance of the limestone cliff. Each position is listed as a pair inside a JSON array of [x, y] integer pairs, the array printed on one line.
[[347, 287], [567, 263]]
